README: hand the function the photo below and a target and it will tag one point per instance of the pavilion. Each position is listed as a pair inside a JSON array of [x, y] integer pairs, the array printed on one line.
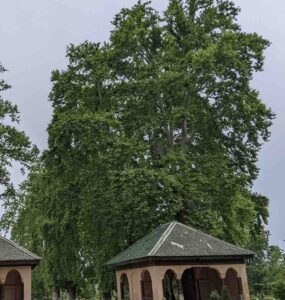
[[16, 264], [179, 262]]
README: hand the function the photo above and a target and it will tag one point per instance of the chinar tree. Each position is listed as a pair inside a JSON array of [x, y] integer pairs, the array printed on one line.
[[159, 123]]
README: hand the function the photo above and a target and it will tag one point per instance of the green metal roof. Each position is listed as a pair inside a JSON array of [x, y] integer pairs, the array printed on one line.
[[176, 240]]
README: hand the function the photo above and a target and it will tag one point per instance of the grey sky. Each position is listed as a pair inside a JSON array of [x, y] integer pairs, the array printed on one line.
[[34, 35]]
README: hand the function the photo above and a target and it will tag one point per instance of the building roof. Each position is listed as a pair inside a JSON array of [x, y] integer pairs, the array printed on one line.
[[13, 254], [176, 241]]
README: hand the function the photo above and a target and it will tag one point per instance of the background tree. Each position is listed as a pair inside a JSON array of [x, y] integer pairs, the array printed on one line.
[[267, 272], [27, 229], [15, 147]]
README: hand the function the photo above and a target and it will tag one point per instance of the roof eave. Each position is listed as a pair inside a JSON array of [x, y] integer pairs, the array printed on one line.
[[178, 259], [14, 263]]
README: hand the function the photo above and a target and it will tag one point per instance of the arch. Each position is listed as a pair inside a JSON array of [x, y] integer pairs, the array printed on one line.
[[233, 270], [200, 282], [146, 286], [13, 287], [209, 281], [189, 284], [13, 277], [125, 288], [233, 283], [198, 269], [170, 285], [215, 271]]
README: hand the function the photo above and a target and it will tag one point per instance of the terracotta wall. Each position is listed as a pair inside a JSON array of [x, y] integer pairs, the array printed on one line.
[[26, 276], [157, 275]]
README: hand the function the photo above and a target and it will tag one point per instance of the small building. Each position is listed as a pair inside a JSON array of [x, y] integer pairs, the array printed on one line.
[[176, 261], [16, 264]]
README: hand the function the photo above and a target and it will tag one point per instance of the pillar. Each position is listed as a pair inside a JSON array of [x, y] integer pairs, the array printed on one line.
[[244, 283], [180, 289], [27, 281], [157, 285], [118, 281]]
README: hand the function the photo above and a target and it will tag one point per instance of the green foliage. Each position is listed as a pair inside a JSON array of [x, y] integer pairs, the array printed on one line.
[[27, 230], [160, 123], [15, 150], [225, 295], [268, 297], [279, 289], [14, 147], [267, 271], [215, 295]]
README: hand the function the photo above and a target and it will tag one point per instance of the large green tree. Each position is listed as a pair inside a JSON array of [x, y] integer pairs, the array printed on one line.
[[183, 89], [159, 123]]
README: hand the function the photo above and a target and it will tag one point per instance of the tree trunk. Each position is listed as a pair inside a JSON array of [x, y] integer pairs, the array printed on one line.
[[106, 296], [169, 135], [183, 213], [55, 293], [184, 131], [72, 293]]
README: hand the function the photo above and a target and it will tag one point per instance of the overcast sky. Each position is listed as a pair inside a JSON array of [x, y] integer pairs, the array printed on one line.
[[34, 35]]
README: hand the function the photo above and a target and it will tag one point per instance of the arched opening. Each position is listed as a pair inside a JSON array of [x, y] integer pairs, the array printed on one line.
[[146, 286], [125, 289], [233, 284], [199, 283], [189, 285], [170, 286], [13, 287]]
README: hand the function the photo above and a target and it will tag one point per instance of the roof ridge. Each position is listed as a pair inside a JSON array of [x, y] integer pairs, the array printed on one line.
[[20, 248], [215, 238], [138, 241], [162, 239]]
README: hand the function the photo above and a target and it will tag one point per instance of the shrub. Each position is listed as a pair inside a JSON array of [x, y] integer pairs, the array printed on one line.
[[215, 295], [279, 289], [225, 295]]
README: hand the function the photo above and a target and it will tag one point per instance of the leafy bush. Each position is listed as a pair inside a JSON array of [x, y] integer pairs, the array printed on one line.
[[215, 295], [279, 289], [225, 295]]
